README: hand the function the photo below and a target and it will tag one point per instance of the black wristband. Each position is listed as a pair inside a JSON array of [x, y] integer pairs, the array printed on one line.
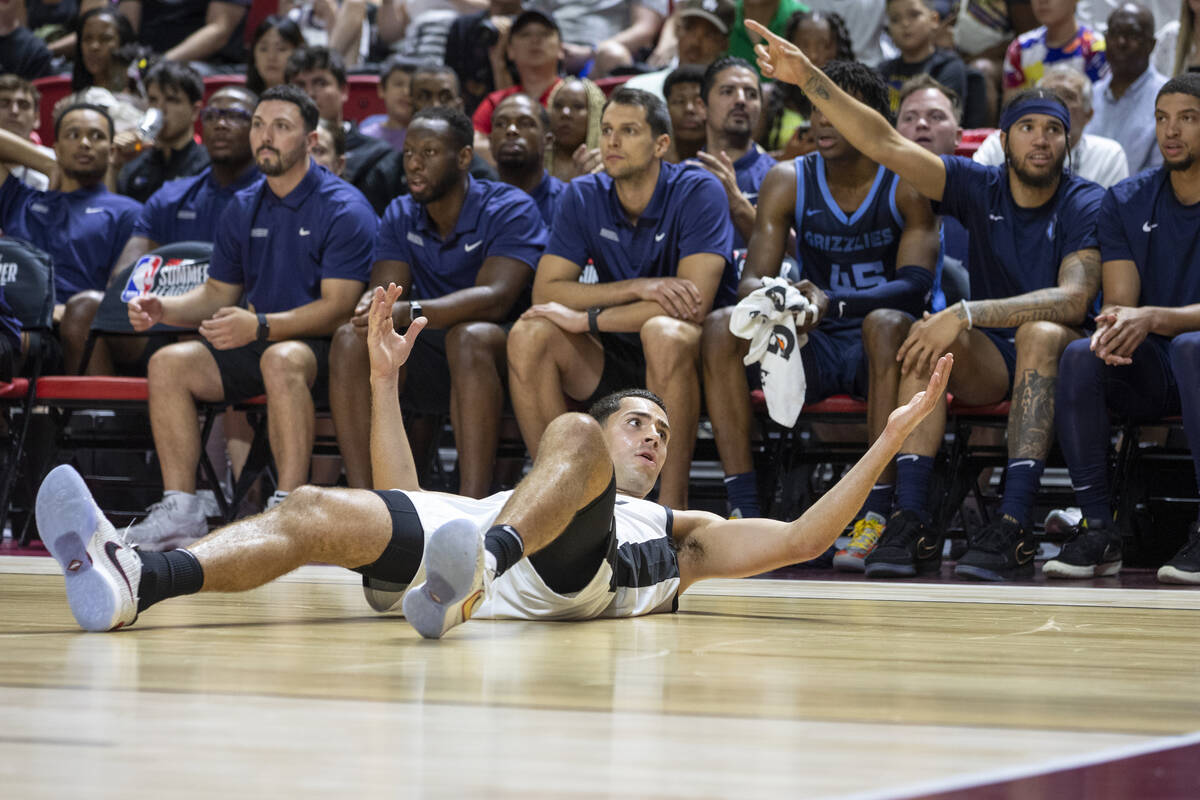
[[594, 319]]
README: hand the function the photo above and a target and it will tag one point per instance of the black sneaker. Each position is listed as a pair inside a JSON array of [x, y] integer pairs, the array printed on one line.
[[907, 547], [1185, 566], [1093, 551], [1002, 551]]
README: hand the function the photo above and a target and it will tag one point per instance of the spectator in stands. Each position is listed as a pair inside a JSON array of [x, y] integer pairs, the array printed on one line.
[[772, 13], [866, 22], [178, 93], [824, 38], [576, 106], [81, 224], [342, 26], [395, 88], [1058, 39], [1143, 361], [21, 52], [208, 31], [300, 246], [703, 33], [534, 48], [1178, 49], [102, 31], [912, 25], [1035, 269], [858, 252], [1094, 158], [419, 29], [477, 50], [464, 251], [985, 28], [1127, 93], [19, 116], [275, 39], [329, 150], [659, 238], [605, 34], [54, 22], [686, 108], [732, 96], [434, 85], [931, 115], [319, 72], [520, 136]]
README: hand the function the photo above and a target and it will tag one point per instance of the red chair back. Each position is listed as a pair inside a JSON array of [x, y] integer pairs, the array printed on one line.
[[52, 89]]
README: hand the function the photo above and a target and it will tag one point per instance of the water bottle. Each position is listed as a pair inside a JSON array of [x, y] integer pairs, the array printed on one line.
[[149, 127]]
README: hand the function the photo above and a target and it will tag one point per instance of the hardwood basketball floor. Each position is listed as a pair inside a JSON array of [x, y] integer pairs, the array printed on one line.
[[756, 688]]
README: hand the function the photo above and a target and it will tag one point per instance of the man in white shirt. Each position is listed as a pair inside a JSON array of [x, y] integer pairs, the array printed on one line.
[[19, 115], [1092, 157]]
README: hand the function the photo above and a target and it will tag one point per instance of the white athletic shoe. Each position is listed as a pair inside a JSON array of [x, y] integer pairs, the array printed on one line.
[[456, 580], [101, 568], [175, 521]]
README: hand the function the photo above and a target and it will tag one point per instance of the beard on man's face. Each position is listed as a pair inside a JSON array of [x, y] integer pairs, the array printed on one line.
[[85, 177], [1035, 180]]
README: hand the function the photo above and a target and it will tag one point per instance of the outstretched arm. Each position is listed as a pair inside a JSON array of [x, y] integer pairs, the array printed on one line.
[[392, 464], [711, 547], [863, 127]]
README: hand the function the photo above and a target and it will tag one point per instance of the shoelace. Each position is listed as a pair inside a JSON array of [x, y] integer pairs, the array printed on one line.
[[865, 534]]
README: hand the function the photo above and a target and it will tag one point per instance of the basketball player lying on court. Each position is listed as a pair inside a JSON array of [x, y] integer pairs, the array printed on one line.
[[574, 540]]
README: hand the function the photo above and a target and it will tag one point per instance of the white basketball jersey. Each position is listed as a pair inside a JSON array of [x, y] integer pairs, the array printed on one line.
[[643, 578]]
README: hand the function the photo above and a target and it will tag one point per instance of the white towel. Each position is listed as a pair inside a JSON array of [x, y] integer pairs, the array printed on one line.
[[767, 317]]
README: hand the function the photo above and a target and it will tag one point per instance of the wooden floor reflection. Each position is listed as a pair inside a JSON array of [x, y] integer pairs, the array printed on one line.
[[754, 689]]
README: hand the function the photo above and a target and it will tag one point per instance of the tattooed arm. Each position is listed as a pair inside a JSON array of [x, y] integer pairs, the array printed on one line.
[[1066, 303], [1078, 282], [864, 128]]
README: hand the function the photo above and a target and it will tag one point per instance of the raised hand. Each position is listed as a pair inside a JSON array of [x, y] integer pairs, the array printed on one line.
[[778, 58], [907, 417], [388, 350]]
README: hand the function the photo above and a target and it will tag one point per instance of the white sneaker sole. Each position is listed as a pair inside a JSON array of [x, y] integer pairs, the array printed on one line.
[[453, 586], [1169, 574], [100, 589], [1061, 569]]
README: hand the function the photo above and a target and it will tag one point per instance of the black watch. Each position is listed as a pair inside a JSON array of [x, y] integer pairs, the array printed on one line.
[[414, 311], [264, 328]]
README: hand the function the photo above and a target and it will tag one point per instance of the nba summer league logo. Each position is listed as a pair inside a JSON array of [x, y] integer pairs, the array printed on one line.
[[165, 277]]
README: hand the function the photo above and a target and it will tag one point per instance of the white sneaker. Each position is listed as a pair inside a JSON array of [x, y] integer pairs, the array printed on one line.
[[101, 568], [275, 499], [175, 521], [208, 502], [456, 580]]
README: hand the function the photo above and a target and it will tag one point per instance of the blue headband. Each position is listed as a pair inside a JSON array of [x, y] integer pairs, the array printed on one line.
[[1035, 105]]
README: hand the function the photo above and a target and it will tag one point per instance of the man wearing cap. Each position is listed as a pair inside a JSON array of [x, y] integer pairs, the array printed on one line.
[[702, 27], [1035, 268], [534, 47], [600, 35]]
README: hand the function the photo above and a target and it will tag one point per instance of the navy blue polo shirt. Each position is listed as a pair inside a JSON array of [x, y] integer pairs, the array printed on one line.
[[189, 209], [1141, 220], [750, 170], [546, 196], [83, 231], [496, 220], [281, 248], [687, 214], [1015, 250]]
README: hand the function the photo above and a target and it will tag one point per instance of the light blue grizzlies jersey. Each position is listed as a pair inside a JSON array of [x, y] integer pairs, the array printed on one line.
[[839, 252]]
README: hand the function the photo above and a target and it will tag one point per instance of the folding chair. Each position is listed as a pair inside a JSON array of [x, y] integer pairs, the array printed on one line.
[[27, 277]]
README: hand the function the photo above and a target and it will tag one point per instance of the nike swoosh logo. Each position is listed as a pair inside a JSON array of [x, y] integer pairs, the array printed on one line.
[[926, 549], [1025, 556], [1029, 462], [1147, 227], [995, 217], [658, 237], [910, 457], [812, 211], [469, 247], [305, 231], [93, 211], [110, 550], [841, 308]]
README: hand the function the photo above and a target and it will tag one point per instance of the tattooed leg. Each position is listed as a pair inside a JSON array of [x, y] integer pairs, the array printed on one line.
[[1031, 420]]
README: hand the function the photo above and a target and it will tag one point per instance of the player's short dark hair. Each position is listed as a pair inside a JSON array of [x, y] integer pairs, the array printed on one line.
[[859, 80], [687, 73], [925, 81], [397, 64], [462, 132], [298, 97], [438, 69], [15, 83], [539, 110], [176, 75], [608, 405], [837, 25], [306, 59], [656, 110], [716, 68], [337, 133], [1184, 83], [101, 110]]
